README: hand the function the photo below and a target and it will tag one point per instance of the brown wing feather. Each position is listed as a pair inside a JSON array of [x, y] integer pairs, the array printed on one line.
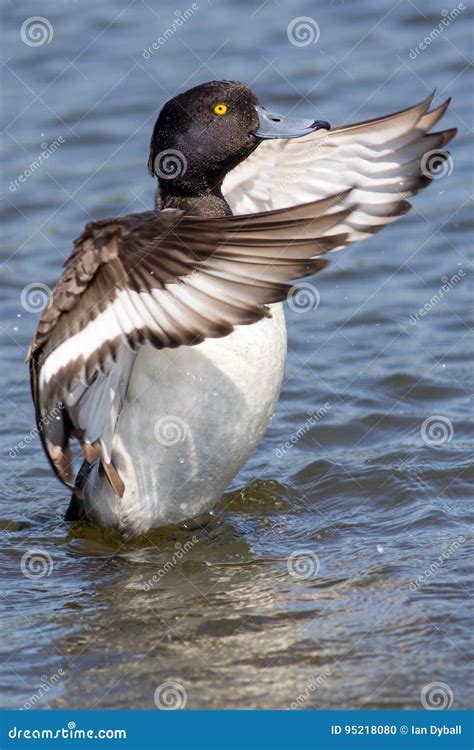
[[246, 264]]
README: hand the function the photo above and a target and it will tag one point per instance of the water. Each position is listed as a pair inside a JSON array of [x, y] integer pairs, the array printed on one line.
[[377, 607]]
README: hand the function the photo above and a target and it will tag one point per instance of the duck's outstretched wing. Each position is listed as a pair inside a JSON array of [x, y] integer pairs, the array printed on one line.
[[169, 280], [386, 160]]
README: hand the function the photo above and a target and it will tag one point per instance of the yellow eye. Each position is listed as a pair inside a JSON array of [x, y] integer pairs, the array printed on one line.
[[220, 109]]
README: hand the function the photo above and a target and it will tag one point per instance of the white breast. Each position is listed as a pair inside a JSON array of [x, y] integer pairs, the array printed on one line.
[[191, 418]]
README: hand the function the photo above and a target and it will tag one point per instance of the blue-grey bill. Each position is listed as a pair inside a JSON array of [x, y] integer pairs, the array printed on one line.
[[273, 125]]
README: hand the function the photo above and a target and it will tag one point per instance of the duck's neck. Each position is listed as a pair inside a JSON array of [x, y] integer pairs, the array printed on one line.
[[208, 203]]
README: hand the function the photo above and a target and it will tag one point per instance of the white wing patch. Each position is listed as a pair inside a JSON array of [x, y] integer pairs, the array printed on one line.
[[96, 408], [380, 159]]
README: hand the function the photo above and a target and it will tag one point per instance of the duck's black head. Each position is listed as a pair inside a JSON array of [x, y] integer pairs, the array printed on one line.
[[205, 132]]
